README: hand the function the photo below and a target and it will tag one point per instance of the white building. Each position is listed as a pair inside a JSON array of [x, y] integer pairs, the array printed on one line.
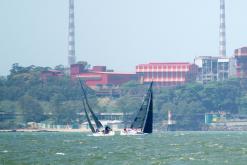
[[212, 68]]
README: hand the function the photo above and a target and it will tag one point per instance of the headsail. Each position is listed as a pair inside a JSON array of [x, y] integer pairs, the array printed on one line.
[[96, 120], [148, 124], [144, 117]]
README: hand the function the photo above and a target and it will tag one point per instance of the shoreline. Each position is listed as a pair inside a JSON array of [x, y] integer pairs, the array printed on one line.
[[68, 130], [45, 130], [116, 130]]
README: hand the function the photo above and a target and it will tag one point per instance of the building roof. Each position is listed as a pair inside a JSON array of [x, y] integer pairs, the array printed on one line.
[[109, 73], [155, 63], [241, 51], [165, 63]]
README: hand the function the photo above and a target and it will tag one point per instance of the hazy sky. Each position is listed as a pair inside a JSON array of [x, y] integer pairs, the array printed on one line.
[[116, 33]]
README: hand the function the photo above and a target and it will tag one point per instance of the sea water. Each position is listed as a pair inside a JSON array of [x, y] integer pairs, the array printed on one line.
[[168, 148]]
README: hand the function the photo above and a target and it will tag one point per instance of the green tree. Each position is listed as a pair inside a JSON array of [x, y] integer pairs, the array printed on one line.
[[32, 110], [60, 68], [243, 105]]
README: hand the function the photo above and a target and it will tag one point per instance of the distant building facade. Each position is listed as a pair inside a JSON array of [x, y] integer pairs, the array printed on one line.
[[166, 74], [100, 77], [241, 62], [77, 69], [212, 68]]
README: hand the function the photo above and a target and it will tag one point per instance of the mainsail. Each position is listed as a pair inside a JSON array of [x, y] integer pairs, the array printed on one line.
[[88, 119], [144, 117], [87, 106]]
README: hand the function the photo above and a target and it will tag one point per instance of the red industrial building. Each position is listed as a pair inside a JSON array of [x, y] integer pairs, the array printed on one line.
[[167, 74], [99, 76], [77, 68], [241, 62]]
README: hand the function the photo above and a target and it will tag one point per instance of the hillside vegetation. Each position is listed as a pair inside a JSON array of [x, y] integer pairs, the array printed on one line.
[[57, 100]]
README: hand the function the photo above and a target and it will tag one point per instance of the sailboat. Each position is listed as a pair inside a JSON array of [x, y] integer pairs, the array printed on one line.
[[143, 121], [98, 129]]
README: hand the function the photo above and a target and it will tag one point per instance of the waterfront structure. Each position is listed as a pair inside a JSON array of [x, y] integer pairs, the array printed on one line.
[[166, 74], [222, 30], [170, 122], [212, 68], [215, 118], [71, 34], [100, 77], [241, 62]]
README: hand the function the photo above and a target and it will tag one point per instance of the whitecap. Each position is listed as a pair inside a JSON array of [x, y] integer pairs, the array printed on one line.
[[226, 161], [182, 158], [174, 144], [60, 153], [5, 151]]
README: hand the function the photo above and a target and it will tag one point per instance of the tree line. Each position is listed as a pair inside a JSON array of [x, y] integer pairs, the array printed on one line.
[[57, 100]]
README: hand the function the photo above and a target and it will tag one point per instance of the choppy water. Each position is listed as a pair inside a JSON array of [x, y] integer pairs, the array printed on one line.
[[173, 148]]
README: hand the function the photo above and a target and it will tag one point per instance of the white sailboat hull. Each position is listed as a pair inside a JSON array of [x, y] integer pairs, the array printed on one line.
[[131, 132], [111, 133]]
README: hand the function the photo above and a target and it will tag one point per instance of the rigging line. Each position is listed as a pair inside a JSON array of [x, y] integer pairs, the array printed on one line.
[[145, 120], [96, 120], [86, 113], [88, 119], [136, 115], [143, 108]]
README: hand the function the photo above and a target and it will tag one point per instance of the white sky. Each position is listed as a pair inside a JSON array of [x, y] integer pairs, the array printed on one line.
[[116, 33]]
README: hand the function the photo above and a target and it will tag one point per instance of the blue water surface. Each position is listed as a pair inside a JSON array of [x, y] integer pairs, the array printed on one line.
[[168, 148]]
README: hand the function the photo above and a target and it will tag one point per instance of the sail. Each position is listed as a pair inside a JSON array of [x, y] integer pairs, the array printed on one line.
[[148, 125], [88, 119], [144, 117], [96, 120]]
